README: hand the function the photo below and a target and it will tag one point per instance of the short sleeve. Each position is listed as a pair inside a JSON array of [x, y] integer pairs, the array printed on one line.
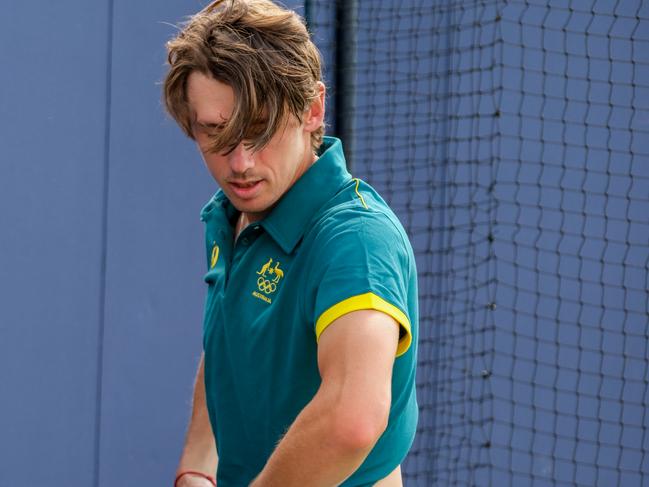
[[365, 263]]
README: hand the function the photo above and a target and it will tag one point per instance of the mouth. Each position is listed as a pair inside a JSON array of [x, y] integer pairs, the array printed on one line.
[[244, 184], [245, 189]]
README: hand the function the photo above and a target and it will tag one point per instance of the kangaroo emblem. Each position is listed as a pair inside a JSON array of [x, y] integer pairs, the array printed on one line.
[[266, 267], [279, 273], [267, 281]]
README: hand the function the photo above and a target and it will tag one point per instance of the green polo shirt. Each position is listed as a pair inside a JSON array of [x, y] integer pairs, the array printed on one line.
[[330, 246]]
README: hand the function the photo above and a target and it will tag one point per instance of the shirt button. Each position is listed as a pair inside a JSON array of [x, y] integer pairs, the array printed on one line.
[[245, 241]]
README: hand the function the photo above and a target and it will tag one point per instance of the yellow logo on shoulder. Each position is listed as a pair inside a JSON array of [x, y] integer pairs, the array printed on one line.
[[215, 255], [269, 277]]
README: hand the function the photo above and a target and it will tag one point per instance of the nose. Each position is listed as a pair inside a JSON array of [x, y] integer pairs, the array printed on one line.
[[240, 159]]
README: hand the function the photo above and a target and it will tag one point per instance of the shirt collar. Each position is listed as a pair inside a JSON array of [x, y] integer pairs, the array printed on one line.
[[287, 222], [220, 206]]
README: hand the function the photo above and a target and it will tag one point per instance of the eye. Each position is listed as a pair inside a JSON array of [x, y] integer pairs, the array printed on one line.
[[208, 128], [258, 127]]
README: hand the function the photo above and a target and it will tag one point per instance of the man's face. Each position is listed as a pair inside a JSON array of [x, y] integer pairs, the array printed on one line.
[[252, 181]]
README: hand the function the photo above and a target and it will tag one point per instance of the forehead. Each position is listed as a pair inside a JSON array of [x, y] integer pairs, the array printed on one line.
[[210, 100]]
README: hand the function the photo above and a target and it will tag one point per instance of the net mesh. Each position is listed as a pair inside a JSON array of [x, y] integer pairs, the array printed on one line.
[[511, 139]]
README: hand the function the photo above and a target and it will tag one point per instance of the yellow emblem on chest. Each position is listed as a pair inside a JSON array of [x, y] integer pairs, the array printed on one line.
[[269, 277], [215, 256]]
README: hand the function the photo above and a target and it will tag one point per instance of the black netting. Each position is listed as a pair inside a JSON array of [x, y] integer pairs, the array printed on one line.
[[511, 138]]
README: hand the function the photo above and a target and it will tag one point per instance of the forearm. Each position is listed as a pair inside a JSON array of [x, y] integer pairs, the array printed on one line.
[[320, 448], [199, 452]]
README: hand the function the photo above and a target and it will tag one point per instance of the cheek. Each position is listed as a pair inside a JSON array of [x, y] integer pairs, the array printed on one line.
[[215, 165]]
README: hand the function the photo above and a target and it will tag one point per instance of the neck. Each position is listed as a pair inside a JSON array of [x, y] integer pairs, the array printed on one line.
[[242, 222]]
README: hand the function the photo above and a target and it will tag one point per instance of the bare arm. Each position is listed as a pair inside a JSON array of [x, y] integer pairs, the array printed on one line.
[[199, 452], [336, 431]]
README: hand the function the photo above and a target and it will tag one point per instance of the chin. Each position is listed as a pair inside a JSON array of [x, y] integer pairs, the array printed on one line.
[[251, 207]]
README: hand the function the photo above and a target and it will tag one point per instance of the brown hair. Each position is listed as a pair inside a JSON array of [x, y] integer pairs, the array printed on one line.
[[263, 52]]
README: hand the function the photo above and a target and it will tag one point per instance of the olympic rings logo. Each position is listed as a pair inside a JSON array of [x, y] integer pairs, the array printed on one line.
[[265, 285]]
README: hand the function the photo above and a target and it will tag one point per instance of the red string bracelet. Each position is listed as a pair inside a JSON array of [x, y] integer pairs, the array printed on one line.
[[200, 474]]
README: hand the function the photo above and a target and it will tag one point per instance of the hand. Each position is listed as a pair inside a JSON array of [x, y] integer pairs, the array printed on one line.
[[192, 480]]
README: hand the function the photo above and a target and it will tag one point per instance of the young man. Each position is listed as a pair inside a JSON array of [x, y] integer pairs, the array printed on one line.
[[310, 326]]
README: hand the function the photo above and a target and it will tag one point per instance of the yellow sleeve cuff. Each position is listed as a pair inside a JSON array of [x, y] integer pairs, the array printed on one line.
[[366, 301]]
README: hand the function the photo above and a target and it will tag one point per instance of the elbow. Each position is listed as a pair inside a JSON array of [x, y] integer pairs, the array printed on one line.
[[357, 429]]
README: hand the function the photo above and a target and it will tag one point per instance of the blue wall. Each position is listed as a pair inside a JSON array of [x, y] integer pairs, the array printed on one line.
[[53, 138], [101, 296], [101, 252]]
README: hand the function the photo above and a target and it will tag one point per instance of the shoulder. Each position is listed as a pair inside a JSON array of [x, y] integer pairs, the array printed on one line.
[[357, 257], [357, 219]]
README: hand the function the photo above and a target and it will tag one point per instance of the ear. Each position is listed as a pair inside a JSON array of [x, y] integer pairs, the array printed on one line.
[[314, 115]]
